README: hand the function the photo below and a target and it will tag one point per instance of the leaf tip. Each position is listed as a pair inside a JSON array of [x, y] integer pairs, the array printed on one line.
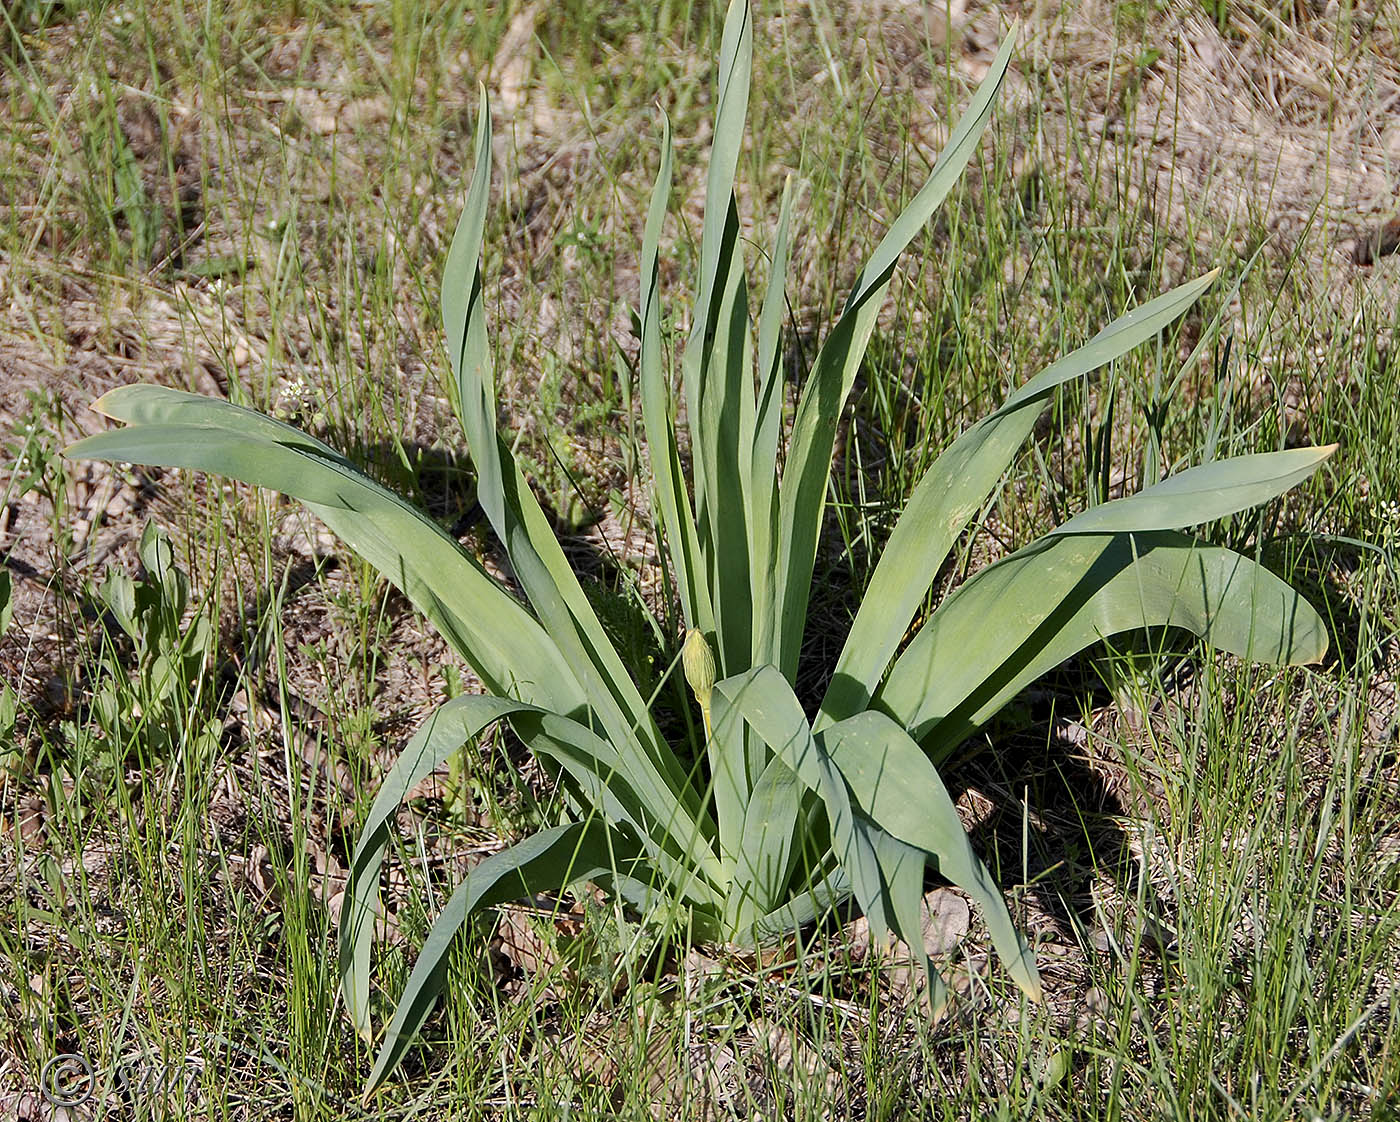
[[100, 405]]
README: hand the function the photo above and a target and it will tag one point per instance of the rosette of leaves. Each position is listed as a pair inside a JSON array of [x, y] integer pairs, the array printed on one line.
[[785, 816]]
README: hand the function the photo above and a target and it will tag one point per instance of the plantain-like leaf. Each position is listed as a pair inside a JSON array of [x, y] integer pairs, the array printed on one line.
[[951, 491], [764, 862], [802, 492], [490, 629], [1024, 615], [550, 860]]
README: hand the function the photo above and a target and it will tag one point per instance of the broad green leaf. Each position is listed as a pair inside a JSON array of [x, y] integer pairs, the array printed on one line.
[[1202, 494], [805, 904], [802, 492], [549, 861], [953, 489], [673, 501], [763, 863], [676, 844], [1024, 615], [894, 784], [499, 639], [763, 700]]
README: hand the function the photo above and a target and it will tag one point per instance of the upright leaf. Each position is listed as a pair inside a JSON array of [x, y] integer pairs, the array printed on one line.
[[802, 493], [535, 554], [763, 467], [672, 500]]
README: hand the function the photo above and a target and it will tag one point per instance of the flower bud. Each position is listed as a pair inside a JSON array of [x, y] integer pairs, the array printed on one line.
[[699, 663]]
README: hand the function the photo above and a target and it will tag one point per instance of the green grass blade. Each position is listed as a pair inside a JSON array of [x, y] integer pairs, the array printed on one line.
[[802, 493], [548, 861], [1029, 612], [1202, 494], [677, 521], [952, 490], [893, 782]]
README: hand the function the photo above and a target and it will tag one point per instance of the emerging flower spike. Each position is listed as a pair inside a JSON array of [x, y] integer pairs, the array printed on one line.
[[699, 663]]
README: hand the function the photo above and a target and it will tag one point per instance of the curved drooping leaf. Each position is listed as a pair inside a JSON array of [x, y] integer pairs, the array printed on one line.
[[444, 733], [893, 783], [950, 492], [802, 491], [767, 847], [550, 860], [1029, 612], [486, 625], [902, 868], [675, 844]]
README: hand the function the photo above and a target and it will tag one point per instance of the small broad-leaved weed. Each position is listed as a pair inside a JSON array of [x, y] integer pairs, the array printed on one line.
[[144, 702], [784, 817]]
